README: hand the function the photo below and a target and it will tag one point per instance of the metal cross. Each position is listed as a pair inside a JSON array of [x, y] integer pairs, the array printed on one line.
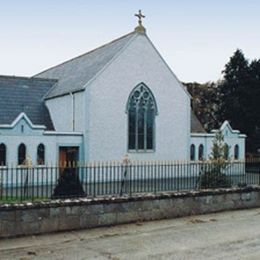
[[140, 16]]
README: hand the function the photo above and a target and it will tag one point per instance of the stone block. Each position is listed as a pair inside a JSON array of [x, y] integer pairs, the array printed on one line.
[[127, 217], [245, 196], [7, 229], [69, 223], [93, 209], [7, 215], [29, 228], [49, 225], [55, 212], [29, 215], [107, 219], [113, 207], [74, 210], [88, 221]]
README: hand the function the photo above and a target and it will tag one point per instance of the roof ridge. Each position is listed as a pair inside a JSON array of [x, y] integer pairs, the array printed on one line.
[[86, 53], [28, 78]]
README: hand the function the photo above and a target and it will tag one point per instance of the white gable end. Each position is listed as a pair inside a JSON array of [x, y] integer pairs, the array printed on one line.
[[107, 97]]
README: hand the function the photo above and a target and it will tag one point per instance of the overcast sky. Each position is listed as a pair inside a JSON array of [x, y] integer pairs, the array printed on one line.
[[195, 37]]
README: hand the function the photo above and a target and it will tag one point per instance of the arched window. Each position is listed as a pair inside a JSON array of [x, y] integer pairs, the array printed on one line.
[[141, 109], [192, 152], [2, 155], [201, 152], [41, 154], [226, 151], [236, 152], [21, 154]]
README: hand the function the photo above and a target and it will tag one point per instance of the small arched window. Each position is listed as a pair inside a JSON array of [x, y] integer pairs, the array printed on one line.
[[201, 152], [141, 109], [2, 155], [192, 152], [236, 152], [41, 154], [21, 154], [226, 151]]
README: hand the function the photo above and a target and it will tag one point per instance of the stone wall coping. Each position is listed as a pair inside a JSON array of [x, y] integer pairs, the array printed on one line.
[[114, 199]]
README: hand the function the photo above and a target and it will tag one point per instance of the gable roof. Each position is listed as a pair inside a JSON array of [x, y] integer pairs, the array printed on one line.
[[74, 74], [196, 126], [22, 94]]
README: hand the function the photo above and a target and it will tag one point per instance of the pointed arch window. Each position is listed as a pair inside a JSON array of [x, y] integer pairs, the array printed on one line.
[[201, 152], [192, 152], [41, 154], [236, 152], [21, 154], [2, 154], [141, 109]]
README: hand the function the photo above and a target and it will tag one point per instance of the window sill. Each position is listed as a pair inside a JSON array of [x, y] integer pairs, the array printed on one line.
[[141, 151]]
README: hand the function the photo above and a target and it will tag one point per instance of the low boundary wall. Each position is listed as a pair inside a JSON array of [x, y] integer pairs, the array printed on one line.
[[61, 215]]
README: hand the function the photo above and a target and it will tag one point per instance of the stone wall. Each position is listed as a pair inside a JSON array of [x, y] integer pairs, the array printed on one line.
[[61, 215]]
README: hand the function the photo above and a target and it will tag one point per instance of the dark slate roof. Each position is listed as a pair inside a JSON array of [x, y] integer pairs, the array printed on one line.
[[21, 94], [196, 126], [74, 74]]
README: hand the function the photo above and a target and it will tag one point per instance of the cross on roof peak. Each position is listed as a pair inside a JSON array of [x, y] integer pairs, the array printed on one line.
[[140, 27], [140, 16]]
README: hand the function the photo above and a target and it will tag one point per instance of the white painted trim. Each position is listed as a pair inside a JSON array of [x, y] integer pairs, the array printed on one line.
[[18, 118], [223, 126], [62, 133], [202, 135]]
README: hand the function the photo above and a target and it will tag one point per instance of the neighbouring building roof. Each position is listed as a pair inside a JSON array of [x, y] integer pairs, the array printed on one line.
[[74, 74], [196, 126], [22, 94]]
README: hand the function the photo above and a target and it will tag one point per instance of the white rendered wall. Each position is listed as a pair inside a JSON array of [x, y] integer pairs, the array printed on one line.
[[108, 94], [66, 109], [207, 140], [12, 138], [51, 143]]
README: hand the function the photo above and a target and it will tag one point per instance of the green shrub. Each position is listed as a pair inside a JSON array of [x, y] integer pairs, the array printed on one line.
[[68, 185], [215, 177], [213, 180]]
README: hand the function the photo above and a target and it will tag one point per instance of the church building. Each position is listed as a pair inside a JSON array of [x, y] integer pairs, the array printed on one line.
[[120, 98]]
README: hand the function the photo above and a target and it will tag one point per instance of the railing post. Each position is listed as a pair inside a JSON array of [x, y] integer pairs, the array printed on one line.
[[126, 162]]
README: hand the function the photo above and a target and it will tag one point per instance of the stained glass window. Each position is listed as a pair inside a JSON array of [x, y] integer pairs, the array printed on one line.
[[141, 119]]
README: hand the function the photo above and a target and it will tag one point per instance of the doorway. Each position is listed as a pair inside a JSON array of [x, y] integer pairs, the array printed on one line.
[[68, 156]]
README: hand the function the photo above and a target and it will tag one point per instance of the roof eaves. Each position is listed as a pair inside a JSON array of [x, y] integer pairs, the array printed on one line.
[[63, 94]]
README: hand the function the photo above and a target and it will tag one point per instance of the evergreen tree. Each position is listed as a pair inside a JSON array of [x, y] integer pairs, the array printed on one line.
[[214, 176], [253, 138], [233, 92], [239, 96]]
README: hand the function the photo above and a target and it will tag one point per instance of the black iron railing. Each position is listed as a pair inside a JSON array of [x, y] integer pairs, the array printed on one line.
[[114, 178]]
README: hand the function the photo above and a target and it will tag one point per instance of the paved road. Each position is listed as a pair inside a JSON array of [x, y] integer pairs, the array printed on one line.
[[229, 235]]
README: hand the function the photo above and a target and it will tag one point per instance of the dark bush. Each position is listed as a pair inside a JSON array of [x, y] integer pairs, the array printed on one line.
[[68, 185], [212, 180]]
